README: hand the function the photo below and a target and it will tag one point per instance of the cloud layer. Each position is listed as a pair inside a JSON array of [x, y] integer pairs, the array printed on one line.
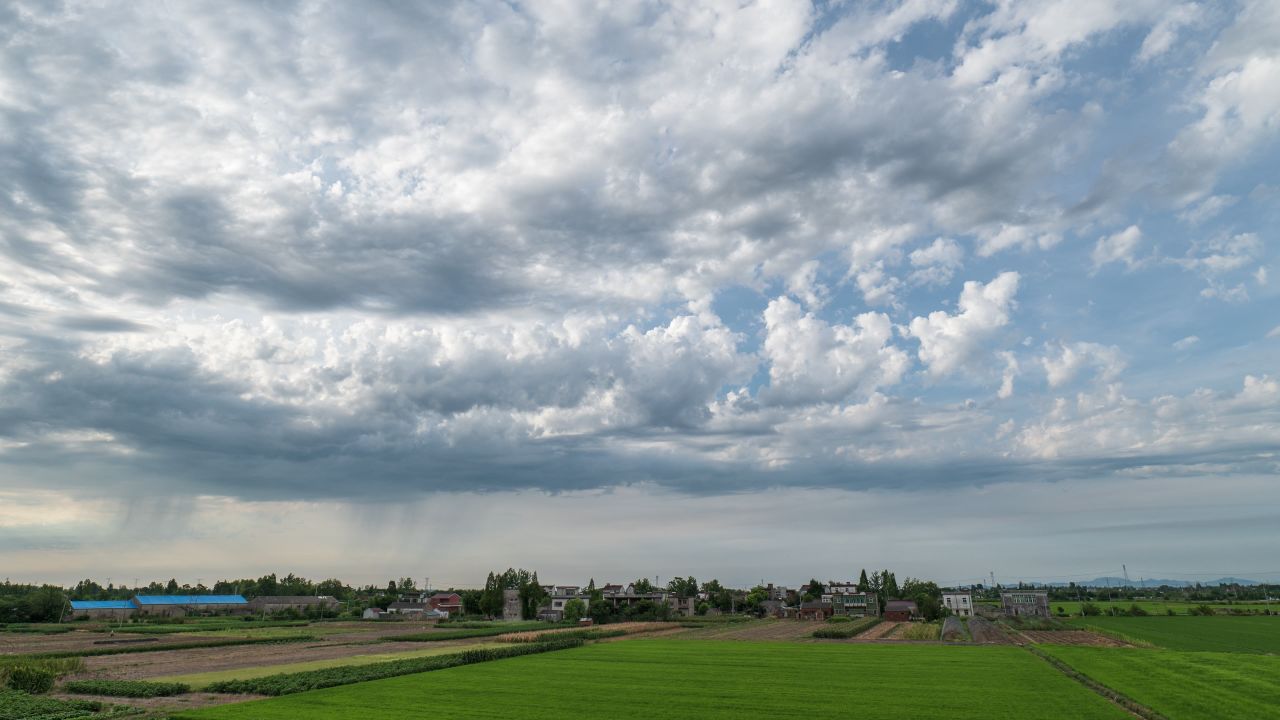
[[363, 253]]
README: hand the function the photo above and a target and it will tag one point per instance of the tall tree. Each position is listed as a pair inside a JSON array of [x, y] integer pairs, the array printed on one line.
[[863, 585]]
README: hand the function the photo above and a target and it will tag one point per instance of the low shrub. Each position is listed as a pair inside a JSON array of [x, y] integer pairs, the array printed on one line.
[[920, 631], [1090, 610], [125, 688], [16, 705], [1137, 610], [839, 619], [29, 678], [289, 683], [1201, 610]]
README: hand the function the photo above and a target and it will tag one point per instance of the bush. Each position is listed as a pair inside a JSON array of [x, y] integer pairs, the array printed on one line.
[[125, 688], [289, 683], [1201, 610], [16, 705], [921, 631], [30, 678], [1090, 610], [839, 619], [1136, 610], [486, 631]]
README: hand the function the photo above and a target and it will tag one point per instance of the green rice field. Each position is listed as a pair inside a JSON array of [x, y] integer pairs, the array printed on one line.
[[1157, 607], [1184, 685], [199, 680], [1255, 634], [707, 679]]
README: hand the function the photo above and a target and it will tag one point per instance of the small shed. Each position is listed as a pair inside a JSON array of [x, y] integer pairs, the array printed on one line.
[[814, 610], [900, 610]]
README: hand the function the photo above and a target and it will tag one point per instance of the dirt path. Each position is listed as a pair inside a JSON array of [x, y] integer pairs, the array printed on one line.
[[985, 631], [1072, 637], [184, 662], [879, 632]]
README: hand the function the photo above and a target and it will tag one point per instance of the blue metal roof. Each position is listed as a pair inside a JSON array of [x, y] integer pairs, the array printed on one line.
[[101, 605], [191, 600]]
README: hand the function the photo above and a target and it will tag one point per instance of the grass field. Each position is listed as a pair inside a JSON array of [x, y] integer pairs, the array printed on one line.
[[1224, 686], [199, 680], [1160, 608], [1260, 634], [706, 679]]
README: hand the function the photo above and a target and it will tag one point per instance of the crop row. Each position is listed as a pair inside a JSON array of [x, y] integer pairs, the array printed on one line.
[[16, 705], [158, 647], [125, 688], [440, 635], [289, 683], [846, 630]]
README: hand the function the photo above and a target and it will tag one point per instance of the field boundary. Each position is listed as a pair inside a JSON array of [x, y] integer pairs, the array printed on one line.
[[1115, 696], [1119, 636]]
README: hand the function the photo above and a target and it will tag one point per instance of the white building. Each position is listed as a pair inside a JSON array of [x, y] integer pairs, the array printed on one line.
[[959, 603]]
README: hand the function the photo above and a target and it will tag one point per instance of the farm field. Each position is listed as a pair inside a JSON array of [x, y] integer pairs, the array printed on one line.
[[1156, 607], [652, 678], [199, 680], [1260, 634], [755, 630], [1178, 685]]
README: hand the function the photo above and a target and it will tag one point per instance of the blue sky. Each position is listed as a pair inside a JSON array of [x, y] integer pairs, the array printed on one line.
[[293, 283]]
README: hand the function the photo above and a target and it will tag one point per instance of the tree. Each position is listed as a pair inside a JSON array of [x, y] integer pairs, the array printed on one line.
[[643, 586], [812, 591], [890, 584], [683, 587], [45, 604], [574, 610], [863, 585], [531, 597]]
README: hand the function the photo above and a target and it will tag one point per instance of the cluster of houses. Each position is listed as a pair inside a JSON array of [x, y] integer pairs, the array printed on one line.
[[184, 605], [834, 599], [425, 606]]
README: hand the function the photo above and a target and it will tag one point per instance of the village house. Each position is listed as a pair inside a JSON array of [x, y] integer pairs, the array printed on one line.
[[900, 611], [855, 604], [1025, 604], [814, 610], [448, 602], [959, 603]]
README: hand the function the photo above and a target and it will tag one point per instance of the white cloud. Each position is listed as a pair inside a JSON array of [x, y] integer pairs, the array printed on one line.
[[1165, 32], [1120, 247], [1219, 261], [1275, 332], [936, 264], [813, 361], [948, 342], [1011, 371], [1070, 359], [1186, 343], [1208, 208], [1240, 108]]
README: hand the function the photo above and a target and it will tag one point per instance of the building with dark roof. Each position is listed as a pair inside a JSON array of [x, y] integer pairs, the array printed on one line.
[[900, 610], [299, 603]]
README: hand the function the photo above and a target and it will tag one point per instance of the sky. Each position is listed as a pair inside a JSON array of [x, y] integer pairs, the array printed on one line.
[[744, 290]]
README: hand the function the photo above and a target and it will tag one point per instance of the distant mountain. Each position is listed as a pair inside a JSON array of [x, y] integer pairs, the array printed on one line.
[[1156, 582]]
